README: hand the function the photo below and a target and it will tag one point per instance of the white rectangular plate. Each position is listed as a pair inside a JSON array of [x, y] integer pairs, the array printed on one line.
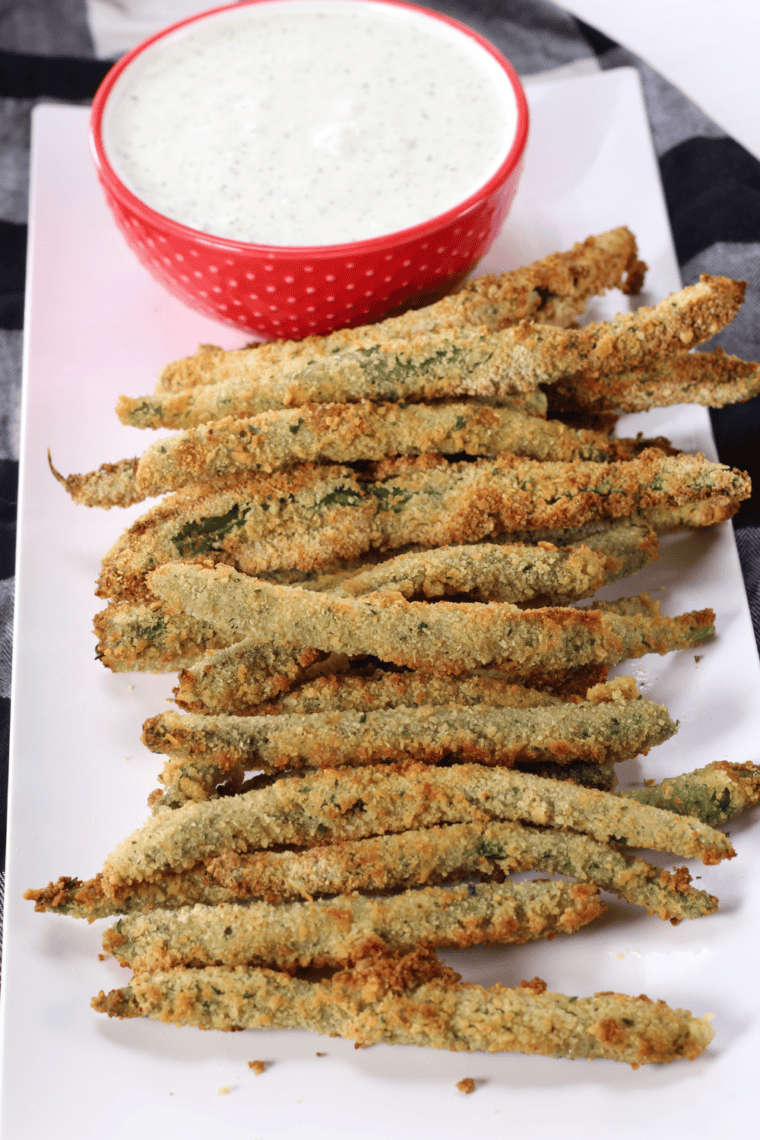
[[97, 326]]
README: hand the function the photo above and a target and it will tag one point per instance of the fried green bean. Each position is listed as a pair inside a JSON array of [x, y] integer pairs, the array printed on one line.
[[311, 516], [342, 433], [386, 863], [487, 572], [454, 362], [415, 1001], [444, 637], [152, 638], [339, 931], [367, 692], [433, 855], [437, 854], [231, 681], [714, 794], [552, 291], [204, 751], [533, 573], [228, 680], [712, 379], [85, 898], [691, 516], [308, 510], [354, 803]]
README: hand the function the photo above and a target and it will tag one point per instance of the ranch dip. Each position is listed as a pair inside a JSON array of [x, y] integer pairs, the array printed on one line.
[[309, 122]]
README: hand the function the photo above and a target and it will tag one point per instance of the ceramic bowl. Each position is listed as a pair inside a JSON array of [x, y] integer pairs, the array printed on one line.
[[294, 291]]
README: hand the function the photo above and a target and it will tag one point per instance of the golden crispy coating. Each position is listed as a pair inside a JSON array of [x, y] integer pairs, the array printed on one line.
[[112, 485], [717, 793], [335, 932], [536, 574], [360, 691], [436, 854], [714, 794], [444, 637], [487, 572], [551, 291], [342, 433], [415, 1001], [357, 802], [712, 379], [86, 899], [150, 637], [433, 502], [204, 751], [213, 521], [312, 515], [387, 863], [690, 516], [230, 681], [454, 362]]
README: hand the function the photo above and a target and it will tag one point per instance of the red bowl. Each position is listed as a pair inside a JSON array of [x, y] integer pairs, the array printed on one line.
[[297, 291]]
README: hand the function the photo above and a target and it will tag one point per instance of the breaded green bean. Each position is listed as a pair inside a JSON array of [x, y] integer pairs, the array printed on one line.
[[238, 678], [626, 546], [362, 692], [111, 485], [309, 510], [444, 637], [339, 931], [712, 379], [455, 362], [436, 854], [714, 794], [354, 803], [230, 681], [151, 638], [436, 503], [78, 898], [535, 573], [415, 1001], [486, 572], [311, 516], [386, 863], [433, 855], [207, 750], [342, 433], [552, 291]]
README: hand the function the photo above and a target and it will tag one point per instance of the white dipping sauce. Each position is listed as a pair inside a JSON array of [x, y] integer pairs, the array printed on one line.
[[310, 122]]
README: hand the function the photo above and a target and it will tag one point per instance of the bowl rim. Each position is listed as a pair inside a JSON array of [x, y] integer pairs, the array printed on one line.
[[118, 188]]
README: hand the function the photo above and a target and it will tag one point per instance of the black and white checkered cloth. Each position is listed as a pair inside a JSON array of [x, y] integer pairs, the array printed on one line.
[[712, 187]]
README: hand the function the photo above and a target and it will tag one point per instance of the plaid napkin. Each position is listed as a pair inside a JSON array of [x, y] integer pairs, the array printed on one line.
[[59, 50]]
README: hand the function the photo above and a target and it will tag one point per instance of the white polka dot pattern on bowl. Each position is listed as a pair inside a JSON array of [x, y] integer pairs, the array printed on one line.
[[286, 293]]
